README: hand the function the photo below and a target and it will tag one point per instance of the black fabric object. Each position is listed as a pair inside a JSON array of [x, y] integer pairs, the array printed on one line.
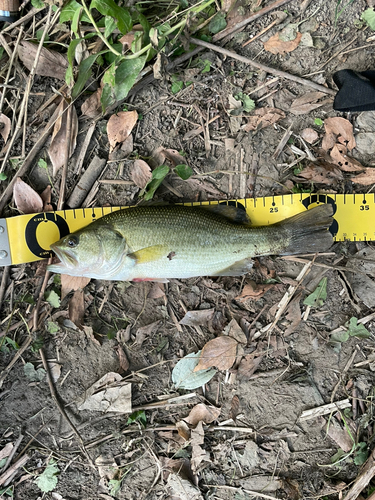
[[356, 90]]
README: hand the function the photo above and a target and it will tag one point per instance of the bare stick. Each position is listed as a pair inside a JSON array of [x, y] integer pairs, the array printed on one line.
[[368, 472], [13, 452], [4, 282], [324, 410], [60, 203], [27, 91], [61, 408], [86, 182], [252, 17], [20, 463], [23, 19], [272, 71], [10, 67]]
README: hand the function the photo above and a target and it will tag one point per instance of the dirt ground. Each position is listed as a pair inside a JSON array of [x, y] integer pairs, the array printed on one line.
[[264, 449]]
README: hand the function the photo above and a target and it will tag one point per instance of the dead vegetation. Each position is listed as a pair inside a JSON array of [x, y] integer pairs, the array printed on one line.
[[228, 388]]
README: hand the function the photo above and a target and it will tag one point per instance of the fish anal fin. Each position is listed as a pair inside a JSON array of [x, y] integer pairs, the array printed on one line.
[[239, 268], [156, 280], [149, 254]]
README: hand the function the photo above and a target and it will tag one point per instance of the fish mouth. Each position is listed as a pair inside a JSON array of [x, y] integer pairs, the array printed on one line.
[[67, 261]]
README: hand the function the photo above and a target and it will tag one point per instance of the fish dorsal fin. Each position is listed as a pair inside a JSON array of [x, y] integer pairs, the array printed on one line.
[[149, 254], [239, 268], [235, 214]]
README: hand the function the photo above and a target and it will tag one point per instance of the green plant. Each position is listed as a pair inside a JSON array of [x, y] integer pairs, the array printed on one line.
[[340, 8]]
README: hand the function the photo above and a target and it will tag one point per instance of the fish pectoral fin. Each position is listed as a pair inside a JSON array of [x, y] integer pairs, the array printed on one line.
[[239, 268], [150, 254]]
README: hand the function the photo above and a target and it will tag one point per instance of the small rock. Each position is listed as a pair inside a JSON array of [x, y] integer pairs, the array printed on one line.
[[365, 143]]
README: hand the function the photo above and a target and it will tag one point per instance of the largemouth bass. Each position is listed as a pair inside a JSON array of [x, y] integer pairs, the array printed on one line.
[[157, 243]]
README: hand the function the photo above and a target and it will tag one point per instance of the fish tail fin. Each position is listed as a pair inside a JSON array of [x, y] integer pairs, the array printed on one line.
[[308, 231]]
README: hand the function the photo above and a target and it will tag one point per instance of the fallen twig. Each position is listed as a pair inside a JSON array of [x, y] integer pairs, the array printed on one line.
[[86, 182], [17, 465], [272, 71], [324, 410], [368, 472]]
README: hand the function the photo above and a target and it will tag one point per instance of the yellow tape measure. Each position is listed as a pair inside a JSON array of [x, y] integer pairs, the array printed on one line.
[[26, 238]]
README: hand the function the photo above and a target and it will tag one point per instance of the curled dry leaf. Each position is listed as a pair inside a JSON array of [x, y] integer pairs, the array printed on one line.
[[253, 291], [92, 106], [145, 331], [101, 397], [248, 366], [339, 157], [50, 63], [5, 126], [234, 331], [365, 179], [140, 173], [308, 102], [338, 129], [263, 117], [120, 126], [198, 318], [220, 353], [277, 46], [123, 360], [69, 283], [234, 407], [202, 413], [156, 291], [26, 199], [321, 172], [57, 150], [127, 41], [309, 135], [174, 157], [47, 199]]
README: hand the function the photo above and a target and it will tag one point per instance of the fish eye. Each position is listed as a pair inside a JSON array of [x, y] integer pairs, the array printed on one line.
[[73, 241]]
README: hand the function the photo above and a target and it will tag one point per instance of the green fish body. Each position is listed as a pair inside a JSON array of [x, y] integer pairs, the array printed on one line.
[[158, 243]]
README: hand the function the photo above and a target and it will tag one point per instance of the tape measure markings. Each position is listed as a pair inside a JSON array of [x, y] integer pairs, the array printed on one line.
[[26, 238]]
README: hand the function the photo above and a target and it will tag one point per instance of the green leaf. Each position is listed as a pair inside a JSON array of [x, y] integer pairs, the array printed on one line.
[[126, 75], [52, 327], [84, 73], [76, 19], [42, 163], [37, 4], [183, 171], [108, 94], [69, 79], [115, 485], [3, 461], [317, 298], [318, 122], [218, 23], [158, 175], [341, 336], [3, 176], [247, 103], [338, 456], [137, 416], [361, 453], [32, 374], [184, 376], [110, 26], [110, 8], [356, 329], [47, 481], [39, 35], [206, 66], [369, 17], [67, 13], [52, 298], [177, 86]]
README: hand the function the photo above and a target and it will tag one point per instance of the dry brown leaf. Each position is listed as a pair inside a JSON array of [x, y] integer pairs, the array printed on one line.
[[248, 366], [69, 283], [183, 430], [365, 179], [127, 146], [198, 318], [339, 157], [140, 173], [174, 157], [321, 172], [50, 63], [6, 451], [335, 128], [127, 41], [92, 106], [76, 308], [156, 291], [123, 360], [26, 199], [101, 397], [120, 126], [202, 413], [57, 148], [253, 291], [220, 352], [277, 46], [293, 315], [55, 370], [309, 135], [180, 465], [47, 198], [198, 454], [234, 331], [5, 126], [308, 102], [234, 408], [145, 331], [263, 117]]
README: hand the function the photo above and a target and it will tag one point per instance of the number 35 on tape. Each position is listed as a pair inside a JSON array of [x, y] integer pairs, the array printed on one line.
[[26, 238]]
